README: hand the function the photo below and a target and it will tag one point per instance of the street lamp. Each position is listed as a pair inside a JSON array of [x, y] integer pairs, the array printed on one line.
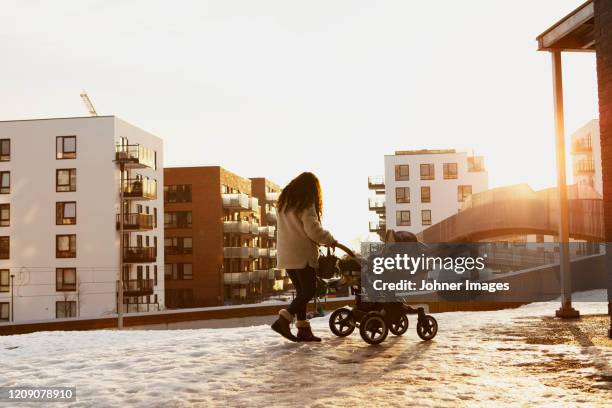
[[12, 300]]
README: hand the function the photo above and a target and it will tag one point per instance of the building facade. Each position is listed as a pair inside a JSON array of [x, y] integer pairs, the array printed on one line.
[[220, 240], [586, 156], [423, 187], [60, 205]]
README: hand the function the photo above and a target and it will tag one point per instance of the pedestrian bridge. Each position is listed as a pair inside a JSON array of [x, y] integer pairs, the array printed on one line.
[[518, 209]]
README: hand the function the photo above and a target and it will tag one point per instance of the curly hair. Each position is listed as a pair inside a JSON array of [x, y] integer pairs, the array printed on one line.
[[302, 192]]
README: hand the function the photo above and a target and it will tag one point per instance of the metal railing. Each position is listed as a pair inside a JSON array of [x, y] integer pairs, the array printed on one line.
[[135, 155], [240, 252], [136, 222], [584, 166], [139, 254], [376, 203], [376, 182], [241, 227], [267, 230], [140, 188], [138, 287], [272, 197]]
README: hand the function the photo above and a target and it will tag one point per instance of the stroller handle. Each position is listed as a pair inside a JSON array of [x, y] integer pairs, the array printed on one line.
[[345, 249]]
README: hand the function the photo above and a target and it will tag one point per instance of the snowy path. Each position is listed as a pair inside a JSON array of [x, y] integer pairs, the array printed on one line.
[[473, 361]]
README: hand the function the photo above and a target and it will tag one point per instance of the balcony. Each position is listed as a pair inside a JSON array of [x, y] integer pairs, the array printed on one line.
[[272, 197], [139, 254], [582, 167], [279, 274], [267, 231], [237, 278], [239, 202], [241, 227], [138, 287], [582, 145], [134, 156], [271, 216], [136, 222], [139, 189], [377, 226], [267, 252], [376, 204], [240, 252], [377, 183], [475, 164]]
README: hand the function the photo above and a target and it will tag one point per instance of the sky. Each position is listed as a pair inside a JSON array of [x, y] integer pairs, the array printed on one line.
[[274, 88]]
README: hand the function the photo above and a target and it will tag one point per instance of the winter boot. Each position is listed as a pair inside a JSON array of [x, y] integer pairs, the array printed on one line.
[[304, 331], [282, 325]]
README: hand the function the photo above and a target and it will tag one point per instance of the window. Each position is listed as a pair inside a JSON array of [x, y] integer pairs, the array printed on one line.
[[5, 149], [65, 147], [65, 246], [5, 280], [5, 182], [65, 180], [177, 219], [402, 172], [180, 193], [426, 194], [178, 245], [402, 194], [4, 312], [5, 247], [426, 217], [155, 275], [65, 309], [154, 217], [187, 245], [5, 215], [187, 272], [65, 213], [463, 192], [450, 171], [402, 218], [427, 171], [178, 271], [65, 279], [169, 271]]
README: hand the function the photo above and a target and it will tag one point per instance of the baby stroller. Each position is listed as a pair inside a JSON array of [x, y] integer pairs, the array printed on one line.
[[374, 319]]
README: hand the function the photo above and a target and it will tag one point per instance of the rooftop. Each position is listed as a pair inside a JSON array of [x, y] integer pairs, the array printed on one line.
[[424, 151], [574, 32]]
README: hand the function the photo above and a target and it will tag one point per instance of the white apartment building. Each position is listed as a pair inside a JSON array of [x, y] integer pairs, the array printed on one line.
[[586, 156], [59, 222], [423, 187]]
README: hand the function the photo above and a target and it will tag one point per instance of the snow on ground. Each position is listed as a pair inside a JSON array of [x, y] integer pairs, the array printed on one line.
[[474, 360]]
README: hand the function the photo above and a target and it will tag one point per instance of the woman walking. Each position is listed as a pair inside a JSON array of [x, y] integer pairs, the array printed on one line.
[[299, 233]]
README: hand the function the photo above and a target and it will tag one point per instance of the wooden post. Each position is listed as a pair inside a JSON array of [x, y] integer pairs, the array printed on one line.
[[566, 310]]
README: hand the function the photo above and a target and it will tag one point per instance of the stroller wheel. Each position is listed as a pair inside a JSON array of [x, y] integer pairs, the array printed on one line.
[[400, 326], [427, 327], [373, 328], [341, 322]]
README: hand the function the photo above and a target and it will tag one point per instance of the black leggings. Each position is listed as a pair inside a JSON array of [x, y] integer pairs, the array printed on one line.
[[305, 282]]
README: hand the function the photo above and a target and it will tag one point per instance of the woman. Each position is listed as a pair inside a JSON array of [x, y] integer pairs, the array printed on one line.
[[299, 233]]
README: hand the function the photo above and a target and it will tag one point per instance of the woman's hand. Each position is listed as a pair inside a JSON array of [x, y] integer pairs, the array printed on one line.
[[332, 245]]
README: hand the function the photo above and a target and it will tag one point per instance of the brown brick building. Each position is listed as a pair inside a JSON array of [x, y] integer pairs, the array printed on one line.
[[220, 237]]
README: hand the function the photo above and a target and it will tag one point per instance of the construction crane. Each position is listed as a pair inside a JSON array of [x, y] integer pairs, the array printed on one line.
[[88, 104]]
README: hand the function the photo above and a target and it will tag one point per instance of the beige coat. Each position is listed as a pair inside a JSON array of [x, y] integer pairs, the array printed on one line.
[[298, 237]]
